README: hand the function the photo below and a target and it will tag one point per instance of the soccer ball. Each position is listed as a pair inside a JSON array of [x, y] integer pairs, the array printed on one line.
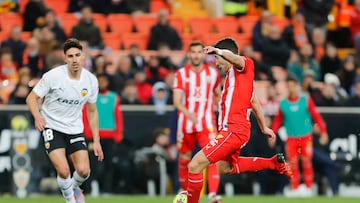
[[19, 123], [180, 198]]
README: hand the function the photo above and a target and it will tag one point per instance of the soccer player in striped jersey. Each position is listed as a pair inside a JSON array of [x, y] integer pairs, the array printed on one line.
[[196, 88]]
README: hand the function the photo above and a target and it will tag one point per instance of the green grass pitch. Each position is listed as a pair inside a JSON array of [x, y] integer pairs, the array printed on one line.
[[168, 199]]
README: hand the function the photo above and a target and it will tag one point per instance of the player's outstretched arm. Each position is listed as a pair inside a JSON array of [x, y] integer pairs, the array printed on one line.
[[235, 59]]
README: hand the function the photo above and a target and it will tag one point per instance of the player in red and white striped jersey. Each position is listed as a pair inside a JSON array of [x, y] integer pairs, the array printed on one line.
[[237, 101], [196, 88]]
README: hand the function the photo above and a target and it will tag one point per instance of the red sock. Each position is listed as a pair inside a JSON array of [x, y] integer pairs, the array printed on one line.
[[308, 173], [295, 179], [183, 172], [213, 178], [251, 164], [195, 184]]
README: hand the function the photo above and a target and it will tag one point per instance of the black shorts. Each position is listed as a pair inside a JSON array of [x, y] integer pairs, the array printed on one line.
[[71, 142]]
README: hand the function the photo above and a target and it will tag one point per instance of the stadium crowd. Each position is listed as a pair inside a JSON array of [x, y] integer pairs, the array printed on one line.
[[139, 47]]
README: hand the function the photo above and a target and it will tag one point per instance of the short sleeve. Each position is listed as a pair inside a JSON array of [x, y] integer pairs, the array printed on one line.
[[94, 91], [178, 84], [43, 86]]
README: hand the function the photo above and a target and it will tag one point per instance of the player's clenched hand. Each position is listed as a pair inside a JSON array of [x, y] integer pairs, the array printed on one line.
[[210, 50], [192, 117], [270, 133], [98, 151], [40, 123]]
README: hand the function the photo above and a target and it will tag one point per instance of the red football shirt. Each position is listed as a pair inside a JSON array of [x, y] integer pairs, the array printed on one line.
[[235, 103], [198, 89]]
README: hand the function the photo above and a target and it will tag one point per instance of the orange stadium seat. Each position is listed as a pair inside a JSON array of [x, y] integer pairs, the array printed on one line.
[[68, 21], [247, 23], [25, 36], [157, 5], [120, 23], [200, 25], [112, 41], [186, 40], [9, 19], [177, 23], [140, 39], [59, 6], [226, 24], [143, 23], [3, 36], [22, 5], [212, 38], [100, 20]]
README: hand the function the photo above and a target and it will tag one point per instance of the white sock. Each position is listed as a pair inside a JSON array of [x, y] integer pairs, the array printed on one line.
[[66, 188], [78, 180]]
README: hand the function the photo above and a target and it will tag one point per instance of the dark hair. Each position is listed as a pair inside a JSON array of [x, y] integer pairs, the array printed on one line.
[[291, 78], [72, 43], [196, 43], [229, 44]]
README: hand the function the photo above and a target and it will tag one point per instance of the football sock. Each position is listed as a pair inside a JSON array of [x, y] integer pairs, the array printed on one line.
[[213, 179], [183, 172], [252, 164], [295, 179], [77, 180], [66, 188], [195, 184], [308, 173]]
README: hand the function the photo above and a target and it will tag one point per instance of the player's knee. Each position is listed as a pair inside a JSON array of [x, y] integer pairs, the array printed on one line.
[[195, 166], [224, 168], [83, 171], [63, 172]]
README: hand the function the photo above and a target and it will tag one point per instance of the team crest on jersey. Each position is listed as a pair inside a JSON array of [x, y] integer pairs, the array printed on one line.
[[47, 145], [219, 136], [84, 92]]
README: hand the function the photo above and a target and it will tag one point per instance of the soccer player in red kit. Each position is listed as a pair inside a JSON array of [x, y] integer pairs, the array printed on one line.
[[236, 103], [196, 87]]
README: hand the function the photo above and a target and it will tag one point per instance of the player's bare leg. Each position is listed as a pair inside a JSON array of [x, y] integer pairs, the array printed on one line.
[[59, 161], [81, 163]]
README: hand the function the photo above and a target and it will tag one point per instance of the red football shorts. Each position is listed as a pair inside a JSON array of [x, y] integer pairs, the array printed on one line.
[[226, 146], [186, 142], [302, 146]]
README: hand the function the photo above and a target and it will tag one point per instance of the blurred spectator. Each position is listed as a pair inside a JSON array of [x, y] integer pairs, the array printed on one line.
[[33, 58], [169, 81], [163, 54], [160, 97], [88, 64], [330, 62], [355, 99], [16, 45], [316, 12], [312, 87], [86, 30], [33, 14], [55, 57], [304, 62], [52, 22], [298, 32], [144, 89], [22, 88], [329, 97], [137, 60], [138, 6], [46, 39], [122, 73], [262, 71], [347, 73], [318, 39], [8, 69], [235, 7], [275, 52], [261, 30], [163, 33], [76, 5], [111, 134], [333, 80], [99, 64], [129, 94], [110, 6], [155, 72]]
